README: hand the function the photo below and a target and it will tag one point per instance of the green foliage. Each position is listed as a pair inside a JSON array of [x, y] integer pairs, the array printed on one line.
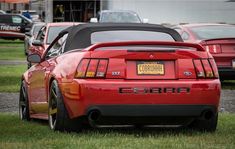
[[10, 77], [12, 50], [36, 134]]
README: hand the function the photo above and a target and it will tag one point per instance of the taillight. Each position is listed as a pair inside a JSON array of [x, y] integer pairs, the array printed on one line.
[[91, 71], [92, 68], [102, 68], [199, 69], [214, 67], [214, 49], [205, 68], [82, 67]]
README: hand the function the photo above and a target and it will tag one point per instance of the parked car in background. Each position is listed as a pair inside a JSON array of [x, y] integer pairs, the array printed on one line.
[[33, 13], [46, 35], [218, 39], [14, 26], [121, 74], [118, 16], [2, 12], [31, 35]]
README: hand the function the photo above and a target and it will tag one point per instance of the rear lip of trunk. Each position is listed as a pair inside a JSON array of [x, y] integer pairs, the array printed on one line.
[[228, 39], [151, 50], [217, 41]]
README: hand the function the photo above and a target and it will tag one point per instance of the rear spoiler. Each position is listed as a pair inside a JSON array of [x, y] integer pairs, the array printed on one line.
[[158, 43], [219, 39]]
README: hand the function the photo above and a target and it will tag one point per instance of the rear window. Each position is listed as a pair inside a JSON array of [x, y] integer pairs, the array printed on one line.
[[129, 35], [214, 32], [53, 32]]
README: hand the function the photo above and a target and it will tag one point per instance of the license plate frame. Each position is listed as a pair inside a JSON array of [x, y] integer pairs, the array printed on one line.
[[159, 67]]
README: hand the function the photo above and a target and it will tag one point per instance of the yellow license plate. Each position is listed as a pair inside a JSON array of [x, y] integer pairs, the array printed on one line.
[[150, 68]]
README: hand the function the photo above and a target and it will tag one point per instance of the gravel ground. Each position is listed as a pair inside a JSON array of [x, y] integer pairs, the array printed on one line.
[[9, 102]]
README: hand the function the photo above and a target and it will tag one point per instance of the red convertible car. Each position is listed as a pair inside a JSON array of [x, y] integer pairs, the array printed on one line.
[[134, 74], [218, 39]]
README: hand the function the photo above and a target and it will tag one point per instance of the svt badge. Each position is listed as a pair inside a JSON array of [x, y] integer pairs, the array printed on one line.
[[116, 73]]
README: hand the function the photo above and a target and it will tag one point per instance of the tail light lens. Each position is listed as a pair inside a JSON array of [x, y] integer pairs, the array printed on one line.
[[199, 68], [206, 68], [82, 67], [214, 67], [213, 49], [92, 68], [102, 68]]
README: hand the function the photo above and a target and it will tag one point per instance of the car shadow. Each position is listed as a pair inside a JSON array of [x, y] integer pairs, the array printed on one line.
[[40, 121], [130, 130]]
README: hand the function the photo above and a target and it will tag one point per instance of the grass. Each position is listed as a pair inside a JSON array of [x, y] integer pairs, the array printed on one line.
[[12, 42], [12, 50], [19, 134], [228, 84], [10, 76]]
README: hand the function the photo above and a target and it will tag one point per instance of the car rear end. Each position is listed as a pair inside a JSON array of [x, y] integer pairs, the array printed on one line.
[[219, 40], [223, 51], [164, 83]]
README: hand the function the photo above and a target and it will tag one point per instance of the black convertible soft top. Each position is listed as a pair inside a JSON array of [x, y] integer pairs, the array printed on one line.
[[79, 35]]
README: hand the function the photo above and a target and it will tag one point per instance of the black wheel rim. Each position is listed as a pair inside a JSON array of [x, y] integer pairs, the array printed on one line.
[[52, 107], [23, 104]]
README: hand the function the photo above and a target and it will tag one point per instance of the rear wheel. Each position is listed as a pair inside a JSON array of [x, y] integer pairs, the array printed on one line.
[[57, 113], [23, 103], [208, 125]]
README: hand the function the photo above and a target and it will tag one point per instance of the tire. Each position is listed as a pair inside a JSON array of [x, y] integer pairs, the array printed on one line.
[[57, 113], [204, 124], [24, 103]]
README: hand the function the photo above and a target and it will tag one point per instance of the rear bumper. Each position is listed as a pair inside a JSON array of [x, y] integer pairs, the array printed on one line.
[[151, 110], [82, 96], [227, 73], [148, 114]]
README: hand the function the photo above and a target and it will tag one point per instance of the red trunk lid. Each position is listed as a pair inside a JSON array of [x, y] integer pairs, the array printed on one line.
[[149, 64], [149, 60]]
